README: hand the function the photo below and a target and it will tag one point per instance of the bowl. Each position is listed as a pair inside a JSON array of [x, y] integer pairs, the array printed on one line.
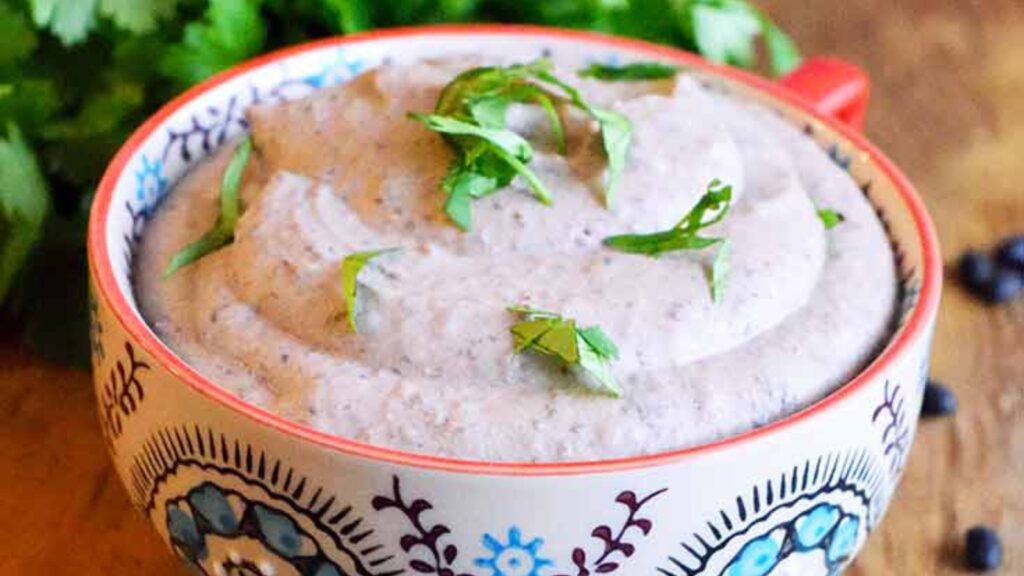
[[233, 489]]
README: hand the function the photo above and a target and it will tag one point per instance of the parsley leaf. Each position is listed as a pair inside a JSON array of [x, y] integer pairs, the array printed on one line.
[[725, 31], [24, 205], [710, 209], [71, 21], [223, 232], [720, 271], [616, 131], [231, 31], [17, 38], [475, 105], [471, 113], [783, 55], [636, 71], [138, 16], [489, 159], [830, 218], [350, 268], [588, 351]]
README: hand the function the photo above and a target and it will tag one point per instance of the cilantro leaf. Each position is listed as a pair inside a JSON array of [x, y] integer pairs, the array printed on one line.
[[475, 104], [231, 31], [725, 31], [506, 145], [830, 218], [350, 268], [138, 16], [223, 232], [17, 38], [30, 104], [24, 206], [70, 21], [636, 71], [352, 15], [720, 271], [783, 55], [709, 210], [588, 351], [616, 131]]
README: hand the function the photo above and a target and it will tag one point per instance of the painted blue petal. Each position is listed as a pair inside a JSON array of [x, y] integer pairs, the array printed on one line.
[[534, 546], [183, 531], [514, 537], [757, 558], [843, 539], [279, 531], [484, 562], [492, 544], [209, 502], [814, 525]]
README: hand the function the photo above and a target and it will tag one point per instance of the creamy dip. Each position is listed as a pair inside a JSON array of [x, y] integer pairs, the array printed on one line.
[[432, 369]]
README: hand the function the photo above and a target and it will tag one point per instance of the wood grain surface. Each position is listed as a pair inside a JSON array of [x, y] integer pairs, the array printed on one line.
[[948, 106]]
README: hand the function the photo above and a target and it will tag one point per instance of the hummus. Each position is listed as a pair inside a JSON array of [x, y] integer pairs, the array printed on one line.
[[432, 369]]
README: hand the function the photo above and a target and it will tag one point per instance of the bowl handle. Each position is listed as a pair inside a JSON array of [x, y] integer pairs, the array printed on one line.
[[832, 87]]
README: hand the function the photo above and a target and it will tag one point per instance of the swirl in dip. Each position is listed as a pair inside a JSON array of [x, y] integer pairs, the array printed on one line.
[[432, 368]]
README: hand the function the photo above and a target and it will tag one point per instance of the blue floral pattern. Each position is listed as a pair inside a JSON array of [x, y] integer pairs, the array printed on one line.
[[513, 558], [809, 520], [150, 182], [822, 528], [338, 70], [272, 541], [228, 508], [758, 557]]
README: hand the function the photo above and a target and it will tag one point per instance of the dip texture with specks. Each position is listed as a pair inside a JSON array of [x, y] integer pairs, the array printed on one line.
[[432, 369]]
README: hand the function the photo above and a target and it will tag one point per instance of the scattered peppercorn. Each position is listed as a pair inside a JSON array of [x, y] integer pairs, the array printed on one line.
[[975, 270], [1004, 286], [1010, 253], [938, 400], [984, 552]]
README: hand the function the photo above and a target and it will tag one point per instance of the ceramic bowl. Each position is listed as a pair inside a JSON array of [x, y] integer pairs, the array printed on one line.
[[233, 489]]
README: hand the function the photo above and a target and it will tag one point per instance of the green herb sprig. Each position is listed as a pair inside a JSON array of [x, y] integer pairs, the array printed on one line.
[[830, 218], [633, 72], [350, 268], [471, 113], [616, 131], [685, 235], [223, 231], [587, 350]]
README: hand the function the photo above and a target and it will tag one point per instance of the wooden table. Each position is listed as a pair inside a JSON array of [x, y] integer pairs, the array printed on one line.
[[948, 106]]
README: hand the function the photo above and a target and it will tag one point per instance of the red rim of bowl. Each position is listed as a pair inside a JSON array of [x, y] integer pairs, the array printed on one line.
[[108, 289]]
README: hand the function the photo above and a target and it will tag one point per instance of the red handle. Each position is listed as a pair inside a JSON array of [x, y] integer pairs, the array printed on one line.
[[832, 87]]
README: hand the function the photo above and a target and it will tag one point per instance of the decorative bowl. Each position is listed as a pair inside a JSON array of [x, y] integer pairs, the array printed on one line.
[[233, 489]]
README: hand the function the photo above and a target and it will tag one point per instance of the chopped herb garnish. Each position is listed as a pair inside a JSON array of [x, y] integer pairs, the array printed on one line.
[[588, 351], [710, 209], [223, 231], [616, 131], [350, 268], [634, 72], [472, 113], [830, 218]]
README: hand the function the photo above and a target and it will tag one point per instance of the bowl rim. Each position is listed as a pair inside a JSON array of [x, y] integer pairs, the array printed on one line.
[[101, 269]]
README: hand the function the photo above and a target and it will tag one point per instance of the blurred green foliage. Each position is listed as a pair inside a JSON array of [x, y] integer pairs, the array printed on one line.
[[77, 75]]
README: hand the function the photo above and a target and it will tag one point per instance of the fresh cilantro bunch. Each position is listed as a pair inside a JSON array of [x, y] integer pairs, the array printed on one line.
[[76, 76]]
